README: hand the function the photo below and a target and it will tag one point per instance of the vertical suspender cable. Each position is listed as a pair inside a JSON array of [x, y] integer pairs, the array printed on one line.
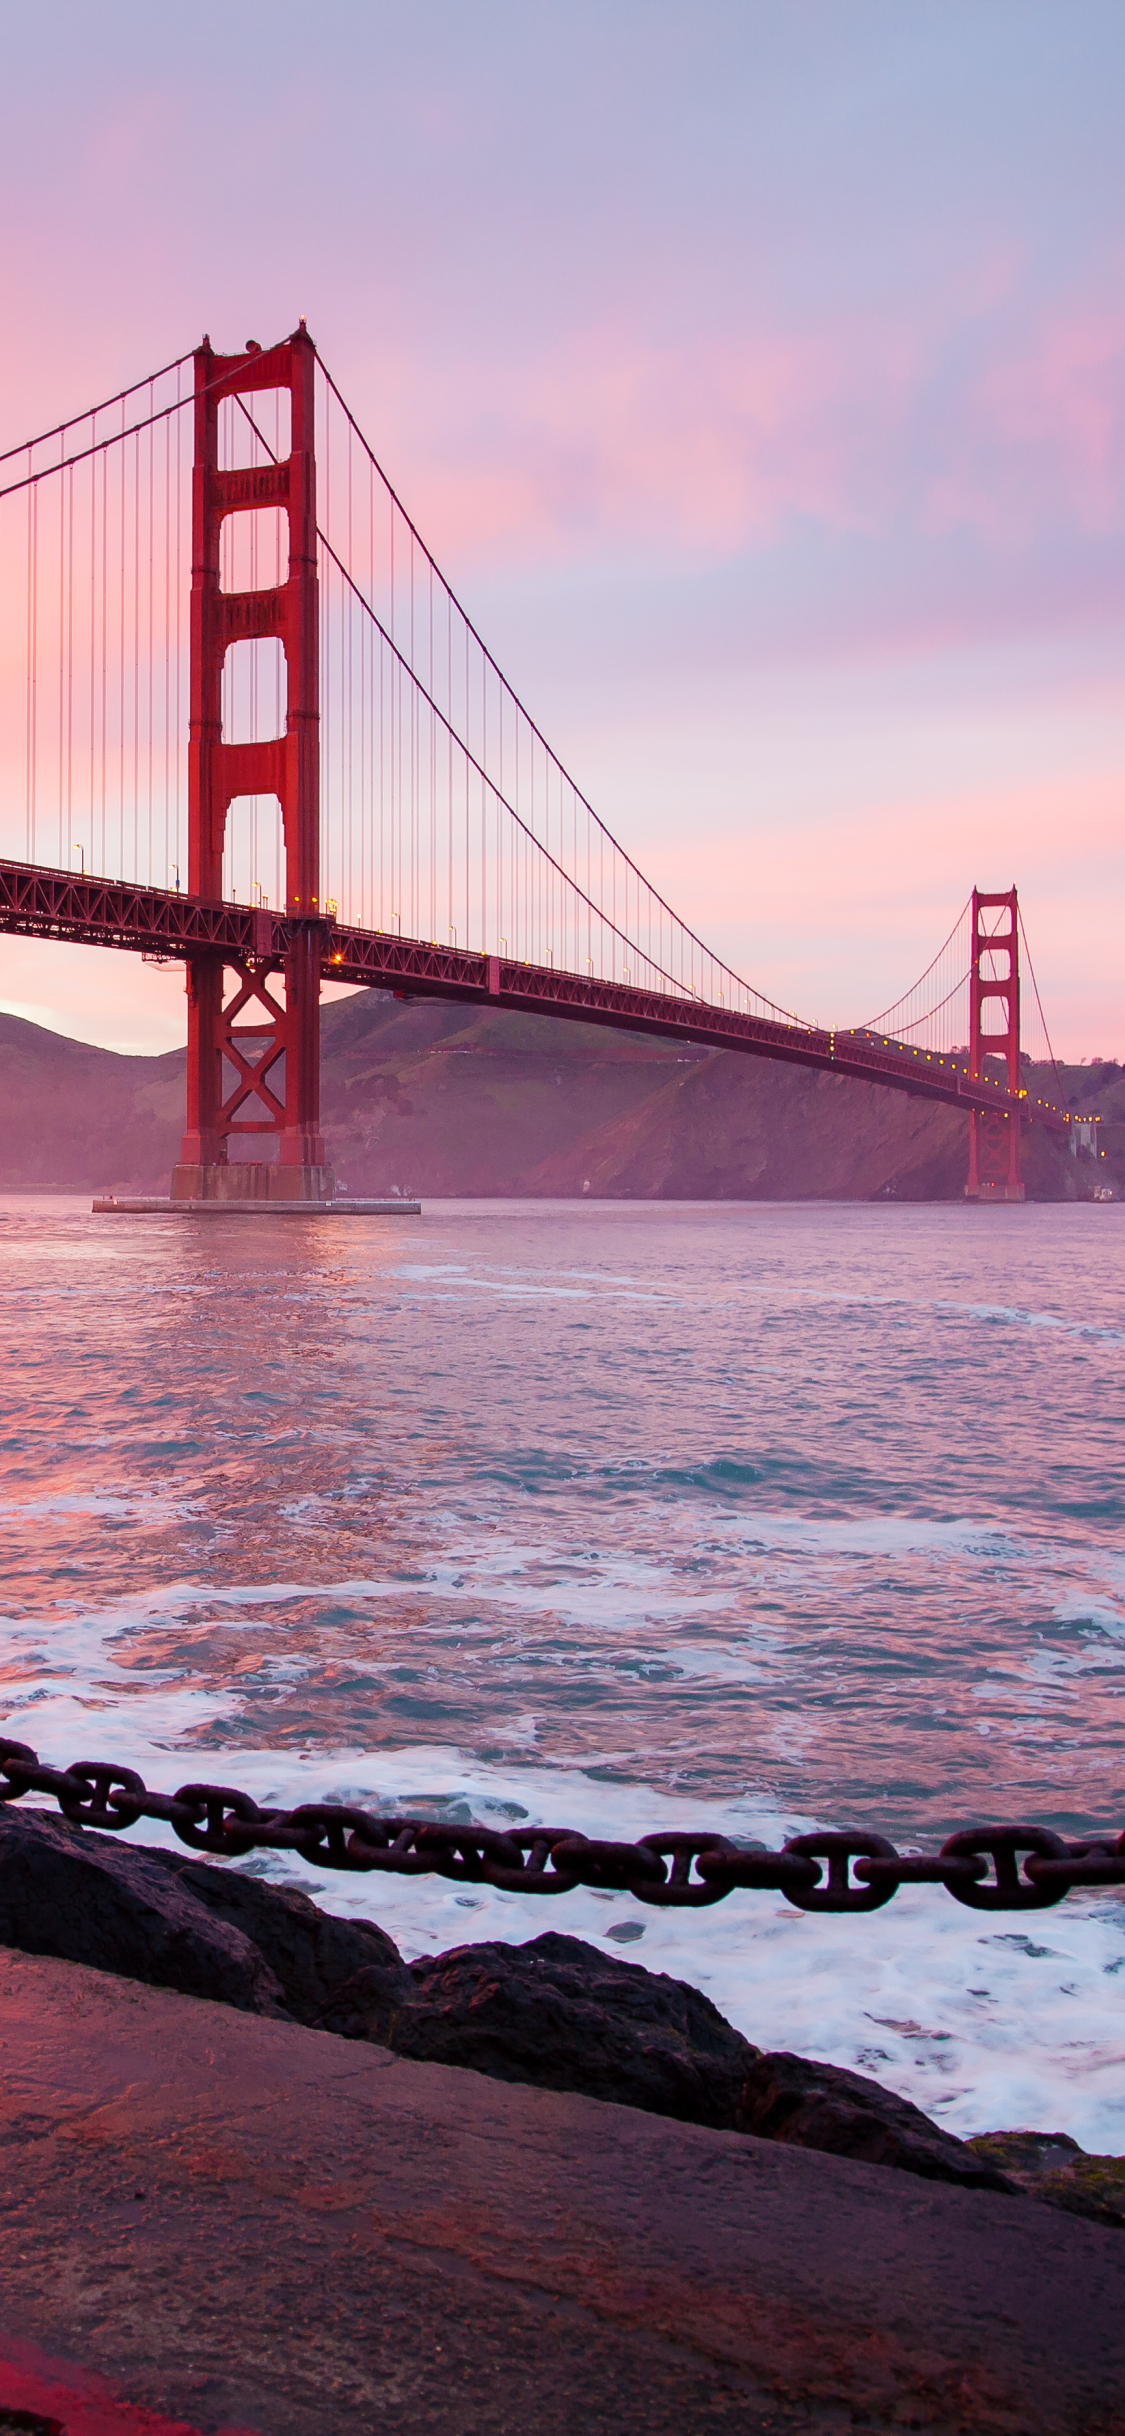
[[104, 701], [121, 489], [135, 873], [32, 656], [151, 627], [62, 661], [69, 664], [93, 649]]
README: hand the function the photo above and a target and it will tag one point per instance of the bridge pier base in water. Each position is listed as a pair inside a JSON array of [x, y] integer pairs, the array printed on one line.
[[994, 1157], [256, 1180]]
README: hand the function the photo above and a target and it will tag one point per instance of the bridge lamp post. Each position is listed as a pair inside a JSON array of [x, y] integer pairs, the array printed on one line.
[[175, 868], [80, 851]]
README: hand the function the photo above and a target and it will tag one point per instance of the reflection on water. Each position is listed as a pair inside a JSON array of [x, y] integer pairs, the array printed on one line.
[[809, 1512]]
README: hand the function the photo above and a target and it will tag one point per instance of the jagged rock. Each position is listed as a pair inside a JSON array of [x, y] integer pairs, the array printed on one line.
[[177, 1921], [558, 2013], [364, 2007], [785, 2097], [1052, 2167], [85, 1898], [311, 1953]]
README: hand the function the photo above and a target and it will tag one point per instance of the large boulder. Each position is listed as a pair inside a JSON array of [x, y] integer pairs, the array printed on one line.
[[311, 1953], [175, 1921], [558, 2013], [86, 1898], [786, 2097]]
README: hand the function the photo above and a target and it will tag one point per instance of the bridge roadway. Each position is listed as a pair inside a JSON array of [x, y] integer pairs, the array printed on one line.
[[36, 902]]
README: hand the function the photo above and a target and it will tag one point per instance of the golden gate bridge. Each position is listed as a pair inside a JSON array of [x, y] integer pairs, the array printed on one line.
[[237, 689]]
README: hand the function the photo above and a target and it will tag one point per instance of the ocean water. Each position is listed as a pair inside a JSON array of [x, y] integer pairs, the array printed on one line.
[[732, 1516]]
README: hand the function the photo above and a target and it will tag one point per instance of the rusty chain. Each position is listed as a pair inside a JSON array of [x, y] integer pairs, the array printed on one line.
[[833, 1871]]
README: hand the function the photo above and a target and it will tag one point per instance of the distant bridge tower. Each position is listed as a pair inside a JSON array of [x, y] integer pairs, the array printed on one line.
[[994, 985], [234, 1078]]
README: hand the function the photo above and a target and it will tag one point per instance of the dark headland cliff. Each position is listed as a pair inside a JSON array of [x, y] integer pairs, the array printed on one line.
[[429, 1098]]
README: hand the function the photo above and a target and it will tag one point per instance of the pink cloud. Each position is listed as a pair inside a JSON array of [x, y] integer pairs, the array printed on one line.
[[1040, 435], [1063, 401], [614, 440], [618, 440]]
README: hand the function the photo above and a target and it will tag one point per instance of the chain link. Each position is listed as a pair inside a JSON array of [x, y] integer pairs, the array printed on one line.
[[1031, 1867]]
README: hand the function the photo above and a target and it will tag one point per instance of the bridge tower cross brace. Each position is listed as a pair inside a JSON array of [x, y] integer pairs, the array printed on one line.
[[994, 981], [287, 766]]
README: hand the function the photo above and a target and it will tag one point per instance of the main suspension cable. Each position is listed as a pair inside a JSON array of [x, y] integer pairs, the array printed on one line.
[[90, 413], [113, 439]]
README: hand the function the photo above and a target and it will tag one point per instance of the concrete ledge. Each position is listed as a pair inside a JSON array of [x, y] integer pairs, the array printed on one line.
[[155, 1205], [238, 2222]]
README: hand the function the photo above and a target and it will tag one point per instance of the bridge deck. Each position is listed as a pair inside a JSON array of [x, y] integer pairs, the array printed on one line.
[[36, 902]]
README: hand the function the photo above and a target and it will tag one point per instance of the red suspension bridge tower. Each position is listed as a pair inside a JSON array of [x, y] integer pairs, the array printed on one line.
[[259, 1101], [994, 991]]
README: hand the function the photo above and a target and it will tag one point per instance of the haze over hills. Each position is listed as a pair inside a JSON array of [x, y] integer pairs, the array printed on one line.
[[447, 1100]]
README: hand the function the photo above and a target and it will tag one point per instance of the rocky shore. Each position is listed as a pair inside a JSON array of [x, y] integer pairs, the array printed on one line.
[[556, 2014]]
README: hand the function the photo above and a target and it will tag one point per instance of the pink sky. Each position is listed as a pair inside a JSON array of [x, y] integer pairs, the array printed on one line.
[[758, 377]]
